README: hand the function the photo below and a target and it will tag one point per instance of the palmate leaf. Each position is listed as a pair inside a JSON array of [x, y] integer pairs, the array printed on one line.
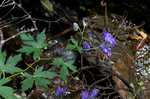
[[9, 66], [74, 46], [33, 46], [57, 62], [6, 92], [64, 72], [39, 77]]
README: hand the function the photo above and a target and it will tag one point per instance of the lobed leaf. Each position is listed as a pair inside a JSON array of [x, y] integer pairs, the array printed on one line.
[[42, 82], [6, 92], [33, 46], [26, 49], [57, 62], [4, 81], [27, 39], [37, 53], [39, 77], [10, 65], [70, 47], [64, 72], [27, 83], [41, 37]]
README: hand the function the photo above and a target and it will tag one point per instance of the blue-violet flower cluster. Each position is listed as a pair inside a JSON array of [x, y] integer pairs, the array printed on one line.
[[89, 95], [60, 92], [106, 50], [86, 46], [109, 38]]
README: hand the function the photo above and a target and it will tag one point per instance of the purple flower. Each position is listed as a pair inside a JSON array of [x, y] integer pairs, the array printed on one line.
[[89, 95], [93, 94], [85, 22], [109, 38], [86, 46], [106, 50], [85, 95], [60, 91], [75, 26]]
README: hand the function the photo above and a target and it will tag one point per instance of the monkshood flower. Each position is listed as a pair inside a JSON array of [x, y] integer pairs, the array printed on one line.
[[75, 26], [109, 38], [89, 95], [85, 95], [86, 46], [93, 94], [60, 92], [85, 22], [106, 50]]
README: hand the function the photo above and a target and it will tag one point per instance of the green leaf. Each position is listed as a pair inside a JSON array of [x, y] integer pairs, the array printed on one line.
[[32, 45], [71, 66], [13, 60], [74, 41], [36, 54], [9, 66], [79, 49], [27, 39], [57, 62], [4, 81], [41, 36], [27, 83], [69, 62], [2, 57], [64, 72], [70, 47], [45, 74], [39, 77], [6, 92], [26, 49], [75, 46], [42, 82]]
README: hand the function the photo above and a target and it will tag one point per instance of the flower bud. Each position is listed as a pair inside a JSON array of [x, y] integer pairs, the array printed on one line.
[[75, 26], [85, 22]]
